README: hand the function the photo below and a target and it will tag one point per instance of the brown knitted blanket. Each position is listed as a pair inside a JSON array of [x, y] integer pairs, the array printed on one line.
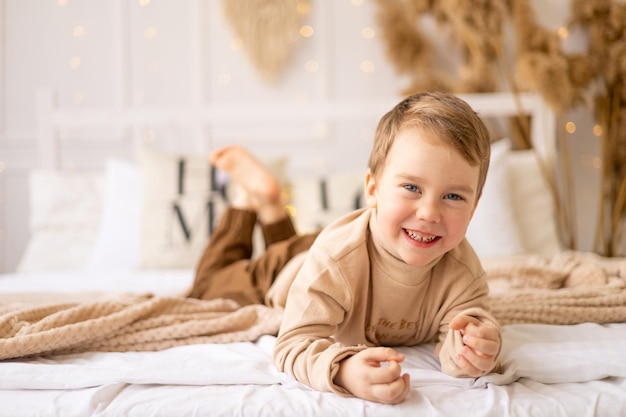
[[569, 288]]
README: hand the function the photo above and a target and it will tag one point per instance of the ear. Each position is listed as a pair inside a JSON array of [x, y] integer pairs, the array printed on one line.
[[370, 189]]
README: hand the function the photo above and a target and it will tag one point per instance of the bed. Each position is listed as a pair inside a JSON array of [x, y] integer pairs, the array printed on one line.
[[100, 327]]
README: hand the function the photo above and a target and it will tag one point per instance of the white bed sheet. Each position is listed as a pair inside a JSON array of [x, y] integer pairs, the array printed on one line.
[[550, 370], [158, 282]]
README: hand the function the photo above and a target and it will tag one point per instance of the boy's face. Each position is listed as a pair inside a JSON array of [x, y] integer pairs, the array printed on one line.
[[424, 197]]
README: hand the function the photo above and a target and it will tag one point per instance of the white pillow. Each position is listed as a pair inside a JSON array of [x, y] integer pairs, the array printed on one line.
[[494, 231], [515, 193], [533, 205], [318, 200], [117, 243], [123, 234], [65, 211]]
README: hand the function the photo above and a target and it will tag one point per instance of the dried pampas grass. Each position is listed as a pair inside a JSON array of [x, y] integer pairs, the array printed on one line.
[[407, 48], [605, 22], [480, 31], [539, 64], [542, 65], [479, 28]]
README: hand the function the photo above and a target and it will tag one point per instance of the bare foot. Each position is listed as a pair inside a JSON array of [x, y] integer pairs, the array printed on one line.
[[262, 188]]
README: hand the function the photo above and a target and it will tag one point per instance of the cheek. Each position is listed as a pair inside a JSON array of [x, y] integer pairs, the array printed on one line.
[[393, 210], [460, 221]]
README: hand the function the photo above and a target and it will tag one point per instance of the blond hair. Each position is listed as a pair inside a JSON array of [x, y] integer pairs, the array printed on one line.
[[446, 116]]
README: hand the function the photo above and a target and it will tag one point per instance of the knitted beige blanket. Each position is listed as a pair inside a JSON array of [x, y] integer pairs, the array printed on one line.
[[569, 288], [42, 324]]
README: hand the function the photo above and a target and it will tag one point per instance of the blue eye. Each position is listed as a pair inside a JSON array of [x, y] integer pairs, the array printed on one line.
[[411, 188], [455, 197]]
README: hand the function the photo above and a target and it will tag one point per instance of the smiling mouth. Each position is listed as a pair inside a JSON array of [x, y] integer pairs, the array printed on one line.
[[419, 237]]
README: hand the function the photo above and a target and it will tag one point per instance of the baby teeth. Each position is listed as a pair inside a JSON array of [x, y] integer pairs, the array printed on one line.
[[420, 238]]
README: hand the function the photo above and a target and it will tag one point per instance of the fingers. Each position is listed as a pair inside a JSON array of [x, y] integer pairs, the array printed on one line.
[[480, 347], [472, 363], [484, 338], [381, 354], [463, 363], [462, 321], [365, 376], [483, 344], [393, 392], [385, 374]]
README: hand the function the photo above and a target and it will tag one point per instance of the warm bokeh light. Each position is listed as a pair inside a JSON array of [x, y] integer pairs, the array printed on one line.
[[368, 32], [367, 66], [306, 31], [285, 195], [149, 32], [597, 130], [570, 127], [597, 162], [291, 210], [303, 7], [78, 31], [144, 2], [75, 62], [311, 66], [78, 98], [563, 32], [224, 79]]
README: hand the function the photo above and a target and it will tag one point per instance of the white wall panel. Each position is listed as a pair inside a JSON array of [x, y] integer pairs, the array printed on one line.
[[2, 66], [3, 218], [183, 54], [360, 67], [160, 52]]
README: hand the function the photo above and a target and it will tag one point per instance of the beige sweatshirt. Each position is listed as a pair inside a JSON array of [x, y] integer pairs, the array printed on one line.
[[351, 293]]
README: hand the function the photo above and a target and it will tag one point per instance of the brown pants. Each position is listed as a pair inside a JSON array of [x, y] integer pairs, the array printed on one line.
[[226, 269]]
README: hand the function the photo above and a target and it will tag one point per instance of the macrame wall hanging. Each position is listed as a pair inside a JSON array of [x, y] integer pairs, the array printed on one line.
[[268, 30]]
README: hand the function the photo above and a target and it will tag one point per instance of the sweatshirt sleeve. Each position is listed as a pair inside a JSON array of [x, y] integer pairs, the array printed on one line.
[[318, 302], [467, 294], [453, 343]]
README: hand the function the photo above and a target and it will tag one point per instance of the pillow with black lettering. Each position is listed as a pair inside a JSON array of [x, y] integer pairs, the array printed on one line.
[[182, 203], [318, 200]]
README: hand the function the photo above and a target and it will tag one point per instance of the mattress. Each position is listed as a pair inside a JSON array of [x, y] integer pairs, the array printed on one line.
[[549, 370]]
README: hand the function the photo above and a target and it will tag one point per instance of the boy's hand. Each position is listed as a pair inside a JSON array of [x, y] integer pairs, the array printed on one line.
[[481, 345], [363, 375]]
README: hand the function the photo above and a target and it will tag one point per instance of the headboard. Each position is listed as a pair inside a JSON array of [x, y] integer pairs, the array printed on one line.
[[339, 127], [140, 215]]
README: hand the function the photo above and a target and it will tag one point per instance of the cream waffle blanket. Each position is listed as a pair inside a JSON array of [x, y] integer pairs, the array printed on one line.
[[35, 324], [569, 288]]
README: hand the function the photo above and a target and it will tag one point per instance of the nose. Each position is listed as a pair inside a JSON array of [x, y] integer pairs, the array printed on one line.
[[428, 210]]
